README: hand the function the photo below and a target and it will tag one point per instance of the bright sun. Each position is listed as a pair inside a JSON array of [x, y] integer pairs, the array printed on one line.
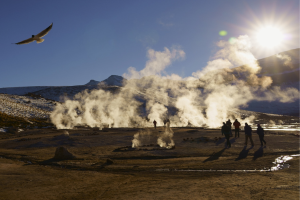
[[269, 37]]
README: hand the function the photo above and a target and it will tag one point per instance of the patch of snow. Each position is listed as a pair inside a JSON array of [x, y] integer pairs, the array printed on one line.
[[25, 107], [93, 82], [2, 130], [114, 80]]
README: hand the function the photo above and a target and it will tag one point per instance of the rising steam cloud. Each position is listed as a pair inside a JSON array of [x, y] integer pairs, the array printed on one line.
[[207, 98], [146, 137]]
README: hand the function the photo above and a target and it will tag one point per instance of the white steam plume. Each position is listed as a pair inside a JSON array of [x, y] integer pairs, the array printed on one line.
[[166, 139], [286, 59], [207, 98], [146, 137], [143, 137]]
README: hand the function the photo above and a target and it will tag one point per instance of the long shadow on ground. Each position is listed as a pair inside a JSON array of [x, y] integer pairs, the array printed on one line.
[[232, 140], [214, 156], [243, 154], [258, 153], [220, 141]]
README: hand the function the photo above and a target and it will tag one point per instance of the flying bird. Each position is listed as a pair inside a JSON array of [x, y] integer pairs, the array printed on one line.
[[38, 37]]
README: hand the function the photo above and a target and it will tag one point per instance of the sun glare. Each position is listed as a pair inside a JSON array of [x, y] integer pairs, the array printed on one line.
[[269, 37]]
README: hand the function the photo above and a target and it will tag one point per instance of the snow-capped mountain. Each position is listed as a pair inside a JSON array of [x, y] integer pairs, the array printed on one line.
[[113, 80], [58, 93], [93, 82]]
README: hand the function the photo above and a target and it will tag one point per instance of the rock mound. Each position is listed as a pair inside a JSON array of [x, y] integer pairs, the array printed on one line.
[[62, 153]]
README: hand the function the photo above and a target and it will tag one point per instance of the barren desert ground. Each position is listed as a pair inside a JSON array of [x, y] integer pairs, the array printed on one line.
[[106, 167]]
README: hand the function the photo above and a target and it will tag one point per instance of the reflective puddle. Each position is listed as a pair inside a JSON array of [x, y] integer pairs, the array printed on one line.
[[280, 163]]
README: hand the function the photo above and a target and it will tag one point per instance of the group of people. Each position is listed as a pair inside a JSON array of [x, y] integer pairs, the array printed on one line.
[[226, 130]]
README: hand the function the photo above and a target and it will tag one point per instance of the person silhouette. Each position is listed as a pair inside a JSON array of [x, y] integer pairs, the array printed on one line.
[[261, 134], [154, 122], [228, 123], [237, 128], [226, 132], [248, 134]]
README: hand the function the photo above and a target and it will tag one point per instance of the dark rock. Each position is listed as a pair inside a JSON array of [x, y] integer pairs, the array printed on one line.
[[109, 161], [62, 153]]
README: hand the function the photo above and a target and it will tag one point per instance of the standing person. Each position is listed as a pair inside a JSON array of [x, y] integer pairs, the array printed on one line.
[[261, 134], [248, 134], [154, 122], [236, 125], [228, 123], [226, 132], [223, 128]]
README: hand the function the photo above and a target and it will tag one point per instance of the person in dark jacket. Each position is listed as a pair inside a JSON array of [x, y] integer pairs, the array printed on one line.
[[261, 134], [154, 122], [237, 125], [226, 131], [223, 128], [248, 134], [228, 123]]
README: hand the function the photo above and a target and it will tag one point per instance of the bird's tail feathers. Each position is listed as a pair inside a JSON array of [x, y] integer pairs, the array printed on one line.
[[40, 40]]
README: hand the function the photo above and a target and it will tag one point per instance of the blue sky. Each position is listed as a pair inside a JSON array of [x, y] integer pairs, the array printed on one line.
[[96, 39]]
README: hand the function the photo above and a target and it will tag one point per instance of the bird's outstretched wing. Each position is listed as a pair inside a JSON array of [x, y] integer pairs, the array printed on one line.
[[44, 32], [26, 41]]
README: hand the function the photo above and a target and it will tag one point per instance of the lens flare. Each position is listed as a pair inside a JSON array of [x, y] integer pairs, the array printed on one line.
[[223, 33], [232, 40]]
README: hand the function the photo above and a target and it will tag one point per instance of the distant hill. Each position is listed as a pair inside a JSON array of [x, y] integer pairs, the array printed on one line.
[[22, 90], [113, 80], [283, 68], [58, 93]]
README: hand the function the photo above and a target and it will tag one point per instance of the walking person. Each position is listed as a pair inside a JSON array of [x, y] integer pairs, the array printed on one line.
[[226, 132], [248, 134], [154, 122], [261, 134], [236, 125]]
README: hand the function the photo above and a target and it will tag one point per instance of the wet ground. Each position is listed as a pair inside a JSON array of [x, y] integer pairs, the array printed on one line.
[[101, 171]]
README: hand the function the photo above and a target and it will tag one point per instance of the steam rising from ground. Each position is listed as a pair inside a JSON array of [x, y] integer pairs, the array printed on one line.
[[146, 137], [143, 137], [165, 140], [207, 98]]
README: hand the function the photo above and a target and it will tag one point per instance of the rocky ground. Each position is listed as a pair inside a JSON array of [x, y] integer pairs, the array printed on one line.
[[105, 167]]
